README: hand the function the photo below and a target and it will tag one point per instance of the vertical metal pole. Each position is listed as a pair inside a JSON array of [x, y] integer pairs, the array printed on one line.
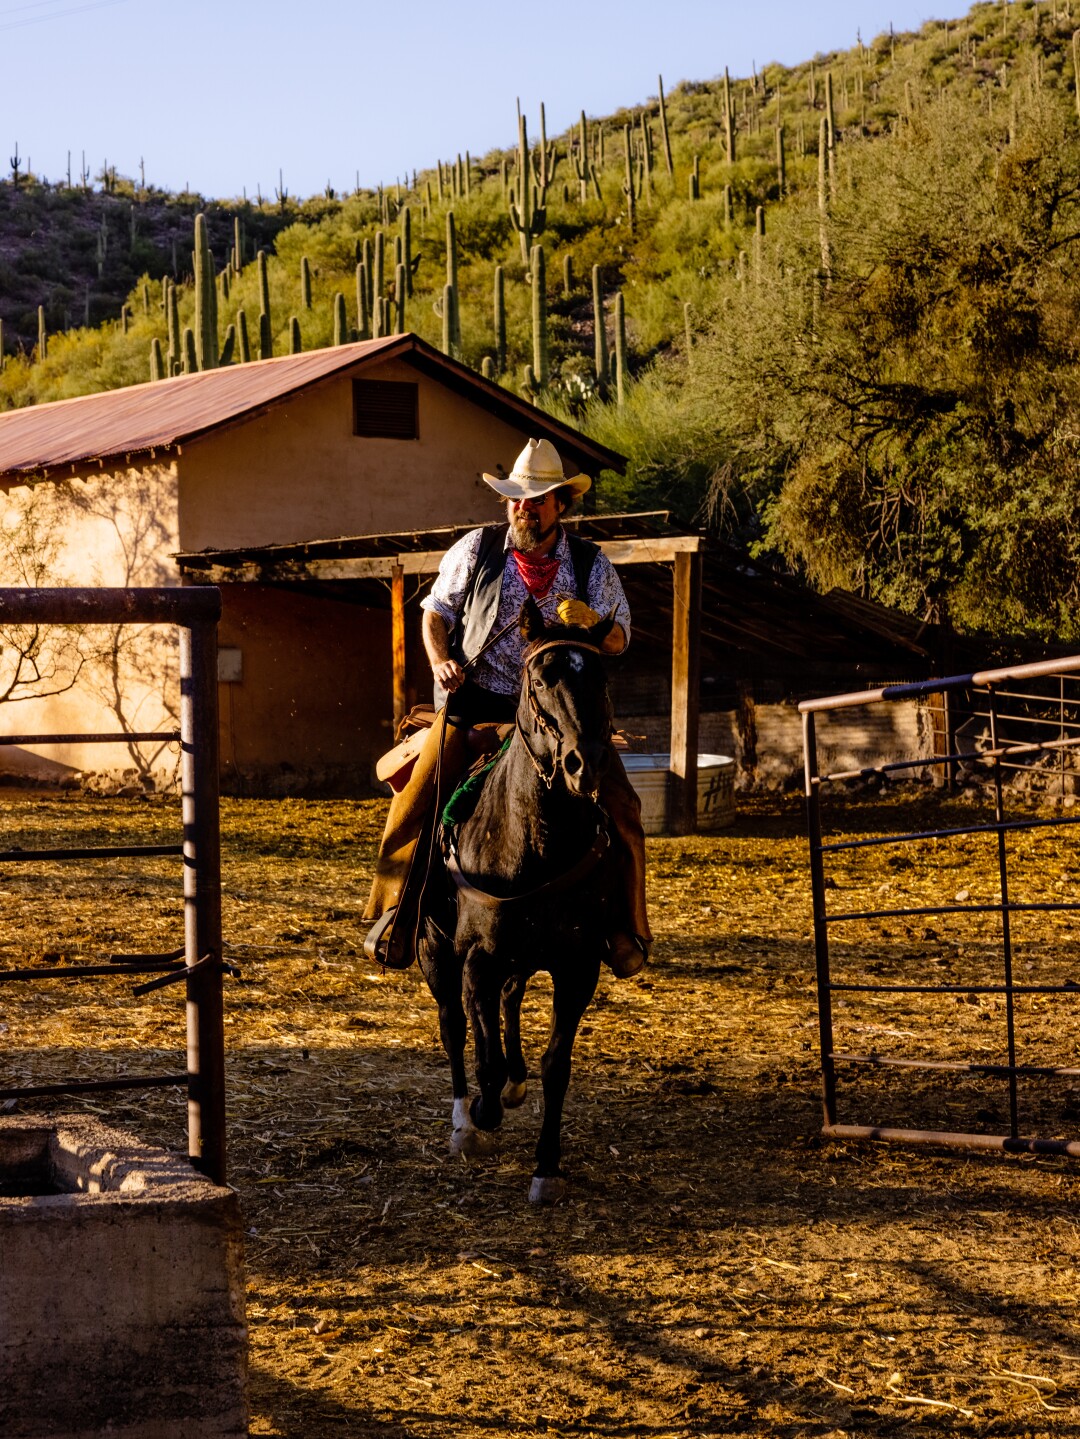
[[397, 627], [1006, 930], [1061, 735], [202, 898], [821, 928], [685, 690]]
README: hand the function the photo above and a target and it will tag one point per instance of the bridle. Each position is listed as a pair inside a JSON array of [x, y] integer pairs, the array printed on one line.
[[541, 719], [544, 722]]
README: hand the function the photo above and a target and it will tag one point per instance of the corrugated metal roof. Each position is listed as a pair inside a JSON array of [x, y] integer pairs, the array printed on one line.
[[115, 424]]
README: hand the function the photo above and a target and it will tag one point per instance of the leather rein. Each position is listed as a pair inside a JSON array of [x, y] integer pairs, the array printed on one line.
[[599, 847]]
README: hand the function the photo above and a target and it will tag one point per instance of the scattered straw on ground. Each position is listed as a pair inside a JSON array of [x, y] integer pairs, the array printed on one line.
[[717, 1269]]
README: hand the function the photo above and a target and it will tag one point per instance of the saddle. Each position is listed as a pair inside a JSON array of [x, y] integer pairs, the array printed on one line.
[[396, 765]]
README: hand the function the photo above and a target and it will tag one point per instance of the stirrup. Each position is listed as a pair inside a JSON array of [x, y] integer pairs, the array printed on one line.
[[379, 945]]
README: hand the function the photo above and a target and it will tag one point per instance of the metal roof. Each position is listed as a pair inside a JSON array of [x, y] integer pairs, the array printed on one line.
[[141, 419]]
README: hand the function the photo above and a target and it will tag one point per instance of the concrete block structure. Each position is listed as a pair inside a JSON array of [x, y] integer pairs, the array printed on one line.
[[121, 1289]]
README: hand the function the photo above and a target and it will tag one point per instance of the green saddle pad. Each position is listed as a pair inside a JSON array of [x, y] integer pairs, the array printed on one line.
[[462, 802]]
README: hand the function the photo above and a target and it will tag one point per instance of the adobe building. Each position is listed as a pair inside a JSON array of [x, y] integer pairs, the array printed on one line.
[[319, 491], [378, 439]]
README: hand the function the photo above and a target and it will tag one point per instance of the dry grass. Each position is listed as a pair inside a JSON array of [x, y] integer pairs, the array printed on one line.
[[717, 1270]]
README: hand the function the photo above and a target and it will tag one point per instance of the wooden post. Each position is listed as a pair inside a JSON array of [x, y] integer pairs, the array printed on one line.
[[397, 628], [685, 691]]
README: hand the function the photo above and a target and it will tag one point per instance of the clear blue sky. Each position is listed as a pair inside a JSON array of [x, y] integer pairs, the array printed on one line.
[[221, 95]]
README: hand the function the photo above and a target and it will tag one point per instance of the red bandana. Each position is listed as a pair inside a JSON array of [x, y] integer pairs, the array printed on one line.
[[537, 572]]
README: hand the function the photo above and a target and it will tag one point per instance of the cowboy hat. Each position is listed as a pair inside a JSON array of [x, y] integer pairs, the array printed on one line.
[[537, 470]]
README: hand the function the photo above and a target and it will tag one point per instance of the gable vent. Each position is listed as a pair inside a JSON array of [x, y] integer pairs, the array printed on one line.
[[386, 409]]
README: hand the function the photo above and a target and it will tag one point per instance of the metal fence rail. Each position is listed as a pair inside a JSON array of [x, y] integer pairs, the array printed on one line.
[[998, 731], [198, 962]]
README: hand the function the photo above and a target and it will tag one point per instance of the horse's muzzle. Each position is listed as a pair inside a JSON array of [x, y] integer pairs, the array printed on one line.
[[584, 766]]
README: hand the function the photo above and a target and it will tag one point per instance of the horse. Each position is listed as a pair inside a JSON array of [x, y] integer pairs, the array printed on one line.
[[529, 883]]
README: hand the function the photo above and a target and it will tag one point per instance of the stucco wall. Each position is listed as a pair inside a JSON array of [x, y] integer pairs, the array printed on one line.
[[297, 472], [118, 528]]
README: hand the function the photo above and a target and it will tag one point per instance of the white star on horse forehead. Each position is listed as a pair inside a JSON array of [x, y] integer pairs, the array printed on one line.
[[576, 660]]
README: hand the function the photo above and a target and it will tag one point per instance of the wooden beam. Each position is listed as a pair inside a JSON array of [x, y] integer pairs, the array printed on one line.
[[659, 551], [397, 628], [685, 691]]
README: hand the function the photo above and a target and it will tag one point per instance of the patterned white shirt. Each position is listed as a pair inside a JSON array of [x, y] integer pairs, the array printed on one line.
[[499, 668]]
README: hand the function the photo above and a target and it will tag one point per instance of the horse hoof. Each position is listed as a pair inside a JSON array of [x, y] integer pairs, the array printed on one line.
[[472, 1143], [514, 1094], [547, 1189]]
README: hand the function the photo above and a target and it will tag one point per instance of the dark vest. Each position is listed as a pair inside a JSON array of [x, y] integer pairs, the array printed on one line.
[[477, 619]]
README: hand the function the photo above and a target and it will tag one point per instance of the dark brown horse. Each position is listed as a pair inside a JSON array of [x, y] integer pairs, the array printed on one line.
[[530, 886]]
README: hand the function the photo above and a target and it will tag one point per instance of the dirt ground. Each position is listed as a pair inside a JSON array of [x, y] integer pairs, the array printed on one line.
[[717, 1268]]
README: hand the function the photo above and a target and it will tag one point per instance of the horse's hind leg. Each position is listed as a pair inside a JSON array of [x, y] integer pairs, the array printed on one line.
[[516, 1086], [570, 1000]]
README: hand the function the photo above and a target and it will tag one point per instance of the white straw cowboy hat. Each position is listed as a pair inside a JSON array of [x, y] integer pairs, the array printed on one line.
[[537, 470]]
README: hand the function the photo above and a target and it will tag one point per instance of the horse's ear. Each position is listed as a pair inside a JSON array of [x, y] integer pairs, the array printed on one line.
[[600, 631], [532, 621]]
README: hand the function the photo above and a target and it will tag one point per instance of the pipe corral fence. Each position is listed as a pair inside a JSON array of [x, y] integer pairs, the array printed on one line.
[[1006, 765], [198, 961]]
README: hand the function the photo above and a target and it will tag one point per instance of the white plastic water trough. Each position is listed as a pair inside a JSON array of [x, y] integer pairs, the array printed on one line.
[[651, 776]]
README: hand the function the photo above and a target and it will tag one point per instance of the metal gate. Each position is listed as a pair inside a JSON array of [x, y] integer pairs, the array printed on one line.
[[996, 735], [197, 962]]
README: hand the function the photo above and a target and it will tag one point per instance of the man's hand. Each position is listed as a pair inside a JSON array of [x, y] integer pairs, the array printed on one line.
[[449, 674], [446, 670], [576, 612]]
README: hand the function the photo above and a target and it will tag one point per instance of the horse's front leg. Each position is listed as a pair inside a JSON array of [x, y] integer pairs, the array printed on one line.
[[483, 990], [516, 1088], [442, 969], [574, 986]]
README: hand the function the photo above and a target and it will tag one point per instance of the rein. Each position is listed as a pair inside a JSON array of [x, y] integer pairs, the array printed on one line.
[[585, 865], [596, 851]]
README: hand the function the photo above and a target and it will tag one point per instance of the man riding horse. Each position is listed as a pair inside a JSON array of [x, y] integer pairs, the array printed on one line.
[[483, 581]]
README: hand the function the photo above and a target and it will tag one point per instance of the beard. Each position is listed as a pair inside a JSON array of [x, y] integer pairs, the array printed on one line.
[[526, 533]]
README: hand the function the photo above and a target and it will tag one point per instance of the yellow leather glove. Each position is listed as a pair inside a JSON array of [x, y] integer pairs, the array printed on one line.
[[576, 612]]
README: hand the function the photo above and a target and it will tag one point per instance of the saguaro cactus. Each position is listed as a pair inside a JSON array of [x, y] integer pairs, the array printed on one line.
[[305, 282], [527, 206], [538, 271], [191, 357], [629, 189], [341, 328], [729, 120], [266, 333], [579, 158], [452, 285], [406, 248], [781, 168], [42, 338], [401, 290], [378, 284], [206, 349], [242, 336], [664, 128], [823, 200], [620, 348], [694, 184], [157, 360], [500, 320], [600, 346], [363, 322]]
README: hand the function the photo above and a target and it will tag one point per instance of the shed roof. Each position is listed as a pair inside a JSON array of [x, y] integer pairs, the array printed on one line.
[[159, 415]]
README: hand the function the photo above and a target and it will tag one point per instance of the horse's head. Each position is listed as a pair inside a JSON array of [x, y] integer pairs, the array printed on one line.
[[565, 713]]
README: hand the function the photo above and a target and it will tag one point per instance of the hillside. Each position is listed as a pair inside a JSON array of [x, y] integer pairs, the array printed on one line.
[[849, 294]]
